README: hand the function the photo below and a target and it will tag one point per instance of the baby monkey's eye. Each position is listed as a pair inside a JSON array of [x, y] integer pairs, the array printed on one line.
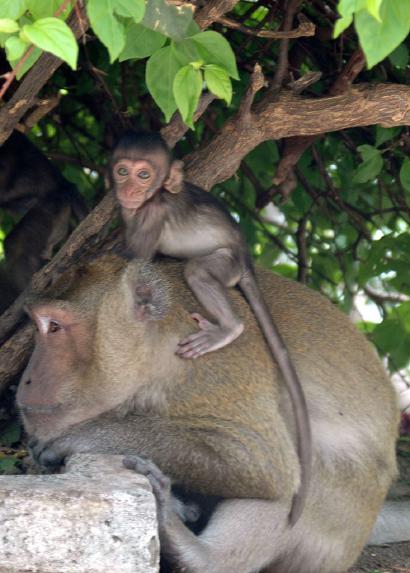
[[144, 174], [122, 171]]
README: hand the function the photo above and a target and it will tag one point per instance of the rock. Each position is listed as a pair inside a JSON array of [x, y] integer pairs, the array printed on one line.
[[97, 517]]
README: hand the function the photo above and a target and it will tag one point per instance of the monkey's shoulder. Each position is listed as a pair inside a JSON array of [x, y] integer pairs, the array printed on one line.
[[193, 200]]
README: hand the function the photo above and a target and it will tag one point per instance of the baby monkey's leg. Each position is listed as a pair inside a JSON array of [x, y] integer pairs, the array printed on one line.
[[209, 276]]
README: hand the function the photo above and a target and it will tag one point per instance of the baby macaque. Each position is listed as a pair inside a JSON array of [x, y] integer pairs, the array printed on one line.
[[165, 214]]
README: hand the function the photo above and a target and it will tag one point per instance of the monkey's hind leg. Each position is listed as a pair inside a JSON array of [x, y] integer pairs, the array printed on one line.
[[234, 541], [208, 277]]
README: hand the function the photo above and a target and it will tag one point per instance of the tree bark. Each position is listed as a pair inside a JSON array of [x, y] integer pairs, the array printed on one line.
[[291, 115]]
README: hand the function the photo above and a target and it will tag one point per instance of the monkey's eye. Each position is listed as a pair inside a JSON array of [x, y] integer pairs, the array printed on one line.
[[54, 326], [144, 174], [122, 171]]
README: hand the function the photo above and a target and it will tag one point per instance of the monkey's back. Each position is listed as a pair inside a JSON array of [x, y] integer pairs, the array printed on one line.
[[330, 354], [351, 403]]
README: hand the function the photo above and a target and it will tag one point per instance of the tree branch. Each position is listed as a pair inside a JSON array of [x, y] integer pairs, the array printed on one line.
[[176, 129], [291, 115], [305, 29], [212, 11], [382, 297], [25, 96], [283, 60], [285, 181], [43, 107], [256, 83]]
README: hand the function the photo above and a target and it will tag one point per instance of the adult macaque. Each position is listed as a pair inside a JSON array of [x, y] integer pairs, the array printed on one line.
[[164, 214], [31, 186], [104, 377]]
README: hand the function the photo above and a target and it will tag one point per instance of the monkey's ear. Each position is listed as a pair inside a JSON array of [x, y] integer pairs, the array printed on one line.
[[143, 302], [149, 292], [175, 180]]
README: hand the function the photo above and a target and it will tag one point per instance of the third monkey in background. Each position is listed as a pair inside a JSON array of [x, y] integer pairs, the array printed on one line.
[[164, 214]]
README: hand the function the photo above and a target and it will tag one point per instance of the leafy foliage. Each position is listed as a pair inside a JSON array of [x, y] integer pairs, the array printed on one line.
[[343, 229], [129, 29], [381, 26]]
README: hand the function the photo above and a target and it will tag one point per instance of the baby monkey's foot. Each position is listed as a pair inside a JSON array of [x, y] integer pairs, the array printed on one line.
[[209, 338]]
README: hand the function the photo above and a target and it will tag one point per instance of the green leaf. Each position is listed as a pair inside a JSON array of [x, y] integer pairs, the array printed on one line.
[[8, 26], [405, 174], [160, 74], [371, 166], [392, 336], [187, 91], [173, 21], [7, 465], [192, 29], [54, 36], [134, 9], [373, 7], [384, 134], [215, 49], [15, 48], [378, 39], [400, 56], [140, 42], [11, 434], [107, 27], [12, 8], [218, 82], [43, 8], [346, 10], [186, 51]]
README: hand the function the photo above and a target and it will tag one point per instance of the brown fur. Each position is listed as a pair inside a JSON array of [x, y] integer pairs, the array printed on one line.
[[219, 425]]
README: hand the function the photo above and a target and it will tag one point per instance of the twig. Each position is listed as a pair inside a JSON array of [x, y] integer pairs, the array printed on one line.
[[282, 65], [382, 297], [44, 106], [10, 76], [212, 10], [302, 251], [63, 157], [300, 85], [256, 83], [305, 29]]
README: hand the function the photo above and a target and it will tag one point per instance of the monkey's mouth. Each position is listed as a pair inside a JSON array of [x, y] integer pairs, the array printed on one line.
[[36, 409], [131, 204]]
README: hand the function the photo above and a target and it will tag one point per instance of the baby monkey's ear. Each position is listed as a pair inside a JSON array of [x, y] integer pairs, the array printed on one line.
[[174, 183]]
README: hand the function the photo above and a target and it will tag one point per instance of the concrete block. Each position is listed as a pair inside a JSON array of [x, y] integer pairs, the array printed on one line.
[[97, 517]]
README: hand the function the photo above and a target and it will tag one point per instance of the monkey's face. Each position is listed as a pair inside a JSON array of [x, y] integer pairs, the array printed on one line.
[[53, 375], [137, 180]]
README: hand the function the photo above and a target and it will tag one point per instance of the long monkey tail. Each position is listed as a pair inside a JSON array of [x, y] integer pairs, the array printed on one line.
[[278, 349]]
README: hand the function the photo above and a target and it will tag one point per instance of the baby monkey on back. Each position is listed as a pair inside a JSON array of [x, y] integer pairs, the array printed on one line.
[[164, 214]]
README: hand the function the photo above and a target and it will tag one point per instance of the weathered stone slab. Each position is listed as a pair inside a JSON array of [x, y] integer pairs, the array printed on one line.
[[96, 518]]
